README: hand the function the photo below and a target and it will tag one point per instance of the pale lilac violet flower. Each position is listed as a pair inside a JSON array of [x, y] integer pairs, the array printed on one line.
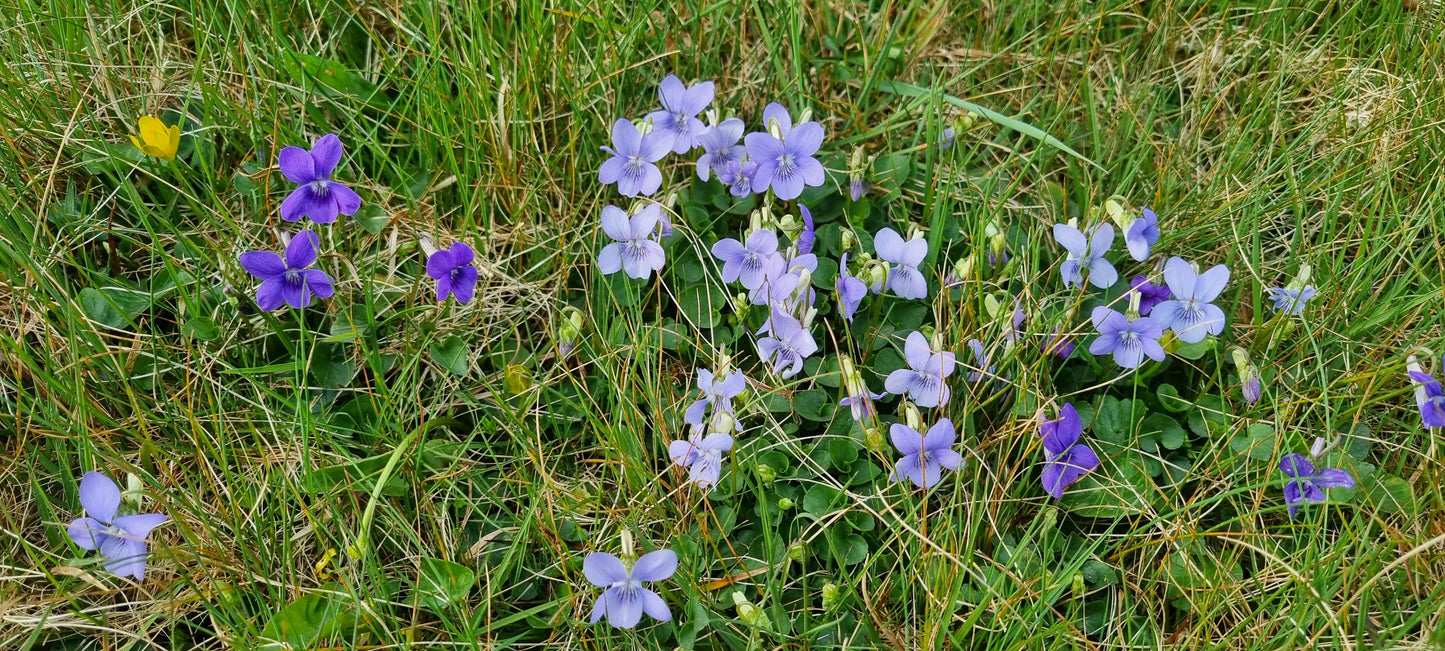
[[1289, 300], [857, 187], [717, 393], [861, 405], [808, 235], [738, 176], [778, 285], [701, 456], [1306, 484], [904, 278], [786, 164], [1065, 459], [319, 197], [453, 271], [1015, 330], [1429, 396], [923, 380], [776, 117], [720, 148], [945, 140], [980, 361], [924, 455], [1150, 295], [633, 249], [1086, 256], [288, 281], [1251, 386], [1142, 234], [1129, 341], [625, 600], [1191, 314], [788, 345], [749, 263], [850, 291], [680, 106], [121, 539], [633, 166], [1060, 346]]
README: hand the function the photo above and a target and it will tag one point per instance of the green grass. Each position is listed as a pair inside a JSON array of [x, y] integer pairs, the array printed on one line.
[[1266, 136]]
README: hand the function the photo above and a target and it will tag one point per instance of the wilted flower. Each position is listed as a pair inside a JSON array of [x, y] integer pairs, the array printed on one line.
[[121, 539], [788, 345], [946, 139], [1129, 341], [680, 106], [1150, 295], [1249, 378], [923, 380], [319, 197], [633, 249], [701, 456], [1086, 256], [453, 271], [748, 263], [859, 399], [1429, 397], [720, 147], [904, 279], [156, 139], [808, 235], [850, 290], [925, 455], [624, 599], [633, 166], [1065, 459], [1306, 485], [785, 161], [1192, 314], [1142, 234], [1015, 329], [1290, 300], [289, 281]]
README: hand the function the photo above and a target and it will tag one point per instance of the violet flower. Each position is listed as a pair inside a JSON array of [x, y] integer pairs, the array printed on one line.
[[925, 455], [748, 263], [633, 166], [785, 162], [680, 106], [904, 278], [701, 456], [319, 197], [980, 361], [625, 600], [787, 346], [453, 271], [1289, 300], [633, 250], [1065, 459], [1142, 234], [1086, 256], [1150, 295], [1306, 484], [717, 393], [850, 291], [857, 187], [1191, 314], [289, 281], [121, 539], [738, 176], [1429, 397], [1058, 345], [720, 148], [923, 380], [808, 235], [861, 404], [1129, 341]]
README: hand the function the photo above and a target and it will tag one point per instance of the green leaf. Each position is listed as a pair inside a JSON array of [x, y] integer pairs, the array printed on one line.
[[1170, 399], [1391, 494], [819, 499], [697, 619], [443, 583], [329, 366], [201, 328], [1195, 350], [113, 307], [331, 78], [813, 405], [1169, 431], [1098, 573], [889, 173], [358, 476], [451, 355], [1110, 491], [909, 90], [1258, 441], [702, 304], [372, 218], [1114, 420], [300, 624]]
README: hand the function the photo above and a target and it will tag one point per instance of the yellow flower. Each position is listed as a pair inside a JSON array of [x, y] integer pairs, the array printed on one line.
[[156, 139]]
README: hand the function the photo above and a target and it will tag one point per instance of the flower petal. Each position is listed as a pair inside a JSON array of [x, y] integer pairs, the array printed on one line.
[[297, 294], [297, 165], [301, 251], [296, 204], [948, 458], [775, 112], [263, 264], [1102, 273], [653, 605], [1180, 277], [440, 264], [603, 569], [1072, 239], [916, 351], [940, 437], [99, 496], [347, 200], [626, 139], [624, 609], [889, 245], [609, 261], [139, 526], [907, 440], [86, 533], [464, 286], [1334, 478], [325, 154], [319, 283], [1101, 240], [1296, 465], [804, 139], [615, 223], [124, 557], [655, 566], [269, 294]]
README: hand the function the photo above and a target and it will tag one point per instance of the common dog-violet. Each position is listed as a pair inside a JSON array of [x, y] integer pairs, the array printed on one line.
[[633, 250], [1129, 340], [924, 379], [289, 281], [319, 197], [1086, 256], [680, 106], [625, 600], [925, 455], [1306, 484], [452, 269], [121, 539], [904, 278], [1191, 314], [1065, 459], [633, 166]]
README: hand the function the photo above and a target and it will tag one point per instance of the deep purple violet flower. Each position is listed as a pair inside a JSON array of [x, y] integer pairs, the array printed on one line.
[[633, 166], [904, 278], [1192, 314], [923, 380], [1429, 397], [680, 106], [624, 599], [1129, 341], [701, 456], [1150, 295], [850, 290], [1065, 459], [720, 147], [1290, 300], [788, 345], [1086, 256], [738, 176], [633, 249], [747, 263], [925, 455], [289, 281], [121, 539], [785, 162], [1306, 485], [319, 197], [453, 271], [1142, 234]]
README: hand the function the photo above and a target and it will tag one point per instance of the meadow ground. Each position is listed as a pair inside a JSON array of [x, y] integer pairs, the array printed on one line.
[[381, 471]]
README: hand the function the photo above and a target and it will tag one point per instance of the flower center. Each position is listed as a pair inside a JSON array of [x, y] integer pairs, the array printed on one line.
[[292, 276], [456, 273], [319, 186], [786, 165], [1128, 338]]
